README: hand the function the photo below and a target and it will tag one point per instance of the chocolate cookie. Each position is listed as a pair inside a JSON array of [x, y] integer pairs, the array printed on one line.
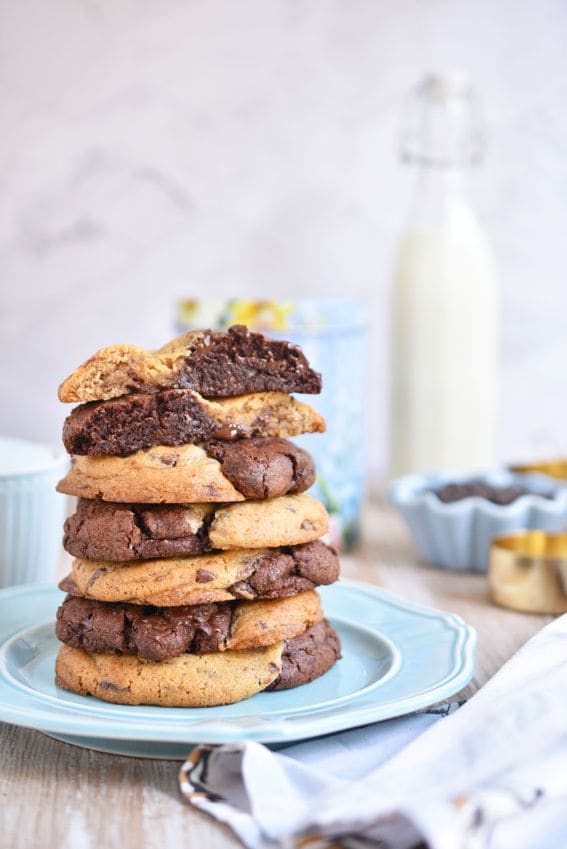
[[192, 680], [176, 416], [155, 633], [264, 468], [225, 576], [161, 633], [217, 471], [214, 363], [103, 530], [308, 656]]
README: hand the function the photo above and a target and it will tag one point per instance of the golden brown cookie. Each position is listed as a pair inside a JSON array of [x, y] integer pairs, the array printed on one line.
[[206, 578], [189, 680], [154, 476], [218, 471], [212, 362], [261, 623], [289, 520], [176, 416]]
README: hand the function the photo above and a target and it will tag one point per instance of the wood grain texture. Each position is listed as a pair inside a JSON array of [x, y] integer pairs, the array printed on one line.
[[61, 797]]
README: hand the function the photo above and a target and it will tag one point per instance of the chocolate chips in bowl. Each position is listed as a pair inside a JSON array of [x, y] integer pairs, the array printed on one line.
[[503, 495], [453, 519]]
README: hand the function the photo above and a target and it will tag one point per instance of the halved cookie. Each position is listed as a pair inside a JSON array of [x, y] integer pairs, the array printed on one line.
[[205, 680], [176, 416], [207, 578], [103, 530], [212, 362], [216, 471], [161, 633]]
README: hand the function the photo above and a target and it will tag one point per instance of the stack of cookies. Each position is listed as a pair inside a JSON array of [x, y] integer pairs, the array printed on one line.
[[197, 550]]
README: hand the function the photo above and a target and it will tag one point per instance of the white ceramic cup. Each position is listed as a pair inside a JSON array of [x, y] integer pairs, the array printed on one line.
[[31, 511]]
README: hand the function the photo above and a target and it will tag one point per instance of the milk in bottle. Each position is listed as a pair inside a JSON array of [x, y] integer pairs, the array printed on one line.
[[445, 301]]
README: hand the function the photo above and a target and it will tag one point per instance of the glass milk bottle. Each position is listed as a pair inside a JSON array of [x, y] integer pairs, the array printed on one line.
[[445, 303]]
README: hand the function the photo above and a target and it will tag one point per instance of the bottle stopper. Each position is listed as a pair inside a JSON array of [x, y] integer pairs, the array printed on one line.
[[528, 571]]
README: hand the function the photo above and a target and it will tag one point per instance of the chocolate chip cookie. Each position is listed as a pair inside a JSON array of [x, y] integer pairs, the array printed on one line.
[[103, 530], [213, 362], [175, 416], [193, 680], [213, 472], [161, 633], [207, 578]]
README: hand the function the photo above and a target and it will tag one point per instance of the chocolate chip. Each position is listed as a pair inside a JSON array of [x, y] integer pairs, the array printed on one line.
[[203, 576]]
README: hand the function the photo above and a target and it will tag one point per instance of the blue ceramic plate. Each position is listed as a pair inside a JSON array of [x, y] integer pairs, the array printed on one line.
[[397, 657]]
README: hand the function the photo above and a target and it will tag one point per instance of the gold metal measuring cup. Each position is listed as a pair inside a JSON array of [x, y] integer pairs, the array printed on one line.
[[528, 571]]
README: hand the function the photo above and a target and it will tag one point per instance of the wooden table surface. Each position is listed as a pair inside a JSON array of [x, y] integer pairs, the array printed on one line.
[[58, 796]]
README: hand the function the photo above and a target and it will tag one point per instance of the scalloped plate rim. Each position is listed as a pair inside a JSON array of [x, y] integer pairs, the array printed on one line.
[[348, 714]]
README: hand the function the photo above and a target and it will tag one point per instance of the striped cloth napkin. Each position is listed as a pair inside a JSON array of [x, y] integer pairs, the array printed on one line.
[[490, 775]]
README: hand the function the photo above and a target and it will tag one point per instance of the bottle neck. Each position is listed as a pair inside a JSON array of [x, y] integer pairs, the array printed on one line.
[[437, 192]]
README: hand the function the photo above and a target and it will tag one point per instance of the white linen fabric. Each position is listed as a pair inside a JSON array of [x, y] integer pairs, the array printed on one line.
[[491, 775]]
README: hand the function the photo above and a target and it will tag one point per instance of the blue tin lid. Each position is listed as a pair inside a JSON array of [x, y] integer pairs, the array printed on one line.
[[313, 315]]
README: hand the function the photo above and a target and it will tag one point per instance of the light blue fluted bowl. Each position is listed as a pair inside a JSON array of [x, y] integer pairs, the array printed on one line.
[[458, 535], [31, 512]]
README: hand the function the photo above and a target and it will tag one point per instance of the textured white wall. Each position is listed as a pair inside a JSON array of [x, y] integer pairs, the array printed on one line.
[[151, 150]]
